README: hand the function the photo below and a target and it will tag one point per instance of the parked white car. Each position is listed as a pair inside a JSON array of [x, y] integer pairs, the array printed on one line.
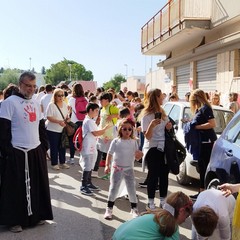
[[181, 110]]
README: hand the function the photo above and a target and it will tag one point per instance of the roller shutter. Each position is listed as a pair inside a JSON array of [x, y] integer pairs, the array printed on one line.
[[207, 74], [183, 76]]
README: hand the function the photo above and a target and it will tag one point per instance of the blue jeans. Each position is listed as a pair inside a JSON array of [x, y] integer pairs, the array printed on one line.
[[56, 151]]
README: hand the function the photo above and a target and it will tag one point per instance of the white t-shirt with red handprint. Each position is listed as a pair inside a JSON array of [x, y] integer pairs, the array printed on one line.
[[24, 115]]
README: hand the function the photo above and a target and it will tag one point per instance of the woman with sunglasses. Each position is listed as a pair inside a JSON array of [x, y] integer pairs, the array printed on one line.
[[55, 124], [162, 224], [123, 151], [154, 121]]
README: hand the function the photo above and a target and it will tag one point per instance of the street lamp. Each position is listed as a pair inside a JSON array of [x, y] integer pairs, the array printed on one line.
[[30, 65], [70, 72], [126, 70]]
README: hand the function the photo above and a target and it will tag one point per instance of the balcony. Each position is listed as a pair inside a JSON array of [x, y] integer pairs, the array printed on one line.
[[176, 22]]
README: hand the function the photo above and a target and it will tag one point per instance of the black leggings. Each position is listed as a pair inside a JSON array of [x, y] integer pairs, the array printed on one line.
[[157, 173], [205, 154]]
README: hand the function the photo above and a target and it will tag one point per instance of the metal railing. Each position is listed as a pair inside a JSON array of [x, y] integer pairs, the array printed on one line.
[[171, 16]]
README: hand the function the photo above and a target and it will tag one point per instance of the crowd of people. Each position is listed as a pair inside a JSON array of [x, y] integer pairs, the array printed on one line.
[[117, 129]]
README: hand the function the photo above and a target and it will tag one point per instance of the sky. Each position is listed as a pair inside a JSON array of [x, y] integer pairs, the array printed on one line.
[[102, 35]]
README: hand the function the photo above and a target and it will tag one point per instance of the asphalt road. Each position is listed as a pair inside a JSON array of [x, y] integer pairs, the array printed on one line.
[[77, 216]]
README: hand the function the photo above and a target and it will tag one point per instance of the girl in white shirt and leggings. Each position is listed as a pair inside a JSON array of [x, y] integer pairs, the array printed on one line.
[[154, 121]]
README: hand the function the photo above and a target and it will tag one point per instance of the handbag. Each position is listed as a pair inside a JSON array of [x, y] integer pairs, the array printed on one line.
[[64, 139], [175, 152], [70, 127]]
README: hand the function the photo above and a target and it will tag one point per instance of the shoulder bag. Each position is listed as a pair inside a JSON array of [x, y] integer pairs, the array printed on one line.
[[70, 127], [175, 152]]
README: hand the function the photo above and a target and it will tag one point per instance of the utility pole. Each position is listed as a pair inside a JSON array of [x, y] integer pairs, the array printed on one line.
[[126, 70], [70, 72], [30, 63]]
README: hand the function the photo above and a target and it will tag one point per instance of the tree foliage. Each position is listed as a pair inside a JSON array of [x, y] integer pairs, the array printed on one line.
[[8, 76], [115, 82], [62, 71]]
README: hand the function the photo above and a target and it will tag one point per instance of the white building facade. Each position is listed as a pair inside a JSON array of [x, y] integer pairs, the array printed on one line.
[[200, 41]]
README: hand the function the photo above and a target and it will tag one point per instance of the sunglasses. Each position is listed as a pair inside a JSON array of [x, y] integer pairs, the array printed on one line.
[[60, 95], [127, 129]]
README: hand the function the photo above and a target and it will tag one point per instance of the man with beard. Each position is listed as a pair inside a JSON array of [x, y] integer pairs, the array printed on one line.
[[24, 191]]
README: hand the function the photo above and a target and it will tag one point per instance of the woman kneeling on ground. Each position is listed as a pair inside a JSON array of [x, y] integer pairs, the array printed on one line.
[[159, 224]]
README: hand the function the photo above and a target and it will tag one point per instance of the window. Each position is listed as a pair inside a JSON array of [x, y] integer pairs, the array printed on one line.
[[232, 134], [220, 121], [167, 108], [187, 114], [175, 114], [238, 139]]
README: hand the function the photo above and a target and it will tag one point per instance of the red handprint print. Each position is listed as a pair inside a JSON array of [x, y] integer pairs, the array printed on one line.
[[31, 113]]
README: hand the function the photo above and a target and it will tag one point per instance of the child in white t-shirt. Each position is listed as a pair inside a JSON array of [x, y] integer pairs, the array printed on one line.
[[212, 215], [123, 151], [89, 149]]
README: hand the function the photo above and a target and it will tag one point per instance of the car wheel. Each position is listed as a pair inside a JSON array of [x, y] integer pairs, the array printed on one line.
[[182, 177], [214, 183]]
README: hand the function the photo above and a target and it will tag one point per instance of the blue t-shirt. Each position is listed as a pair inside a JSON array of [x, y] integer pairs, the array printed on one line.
[[141, 228], [202, 116]]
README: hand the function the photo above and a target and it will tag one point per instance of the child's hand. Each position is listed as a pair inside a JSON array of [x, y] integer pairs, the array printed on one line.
[[109, 118], [138, 155], [139, 129], [107, 169], [108, 126]]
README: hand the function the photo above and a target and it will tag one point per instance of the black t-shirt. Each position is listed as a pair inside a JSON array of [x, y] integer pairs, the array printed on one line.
[[202, 116]]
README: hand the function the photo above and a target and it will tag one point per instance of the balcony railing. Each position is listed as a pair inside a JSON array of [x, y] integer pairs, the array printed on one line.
[[171, 16]]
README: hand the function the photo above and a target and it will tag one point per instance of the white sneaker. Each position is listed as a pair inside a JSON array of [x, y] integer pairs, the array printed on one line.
[[134, 212], [68, 161], [108, 213], [72, 161], [16, 229], [152, 207], [64, 166], [55, 167], [41, 222], [94, 174]]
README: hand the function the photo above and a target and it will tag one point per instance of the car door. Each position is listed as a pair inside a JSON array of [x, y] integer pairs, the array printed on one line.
[[225, 157], [231, 148]]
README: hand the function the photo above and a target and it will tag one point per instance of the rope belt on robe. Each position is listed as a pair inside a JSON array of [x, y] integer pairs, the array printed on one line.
[[27, 180]]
